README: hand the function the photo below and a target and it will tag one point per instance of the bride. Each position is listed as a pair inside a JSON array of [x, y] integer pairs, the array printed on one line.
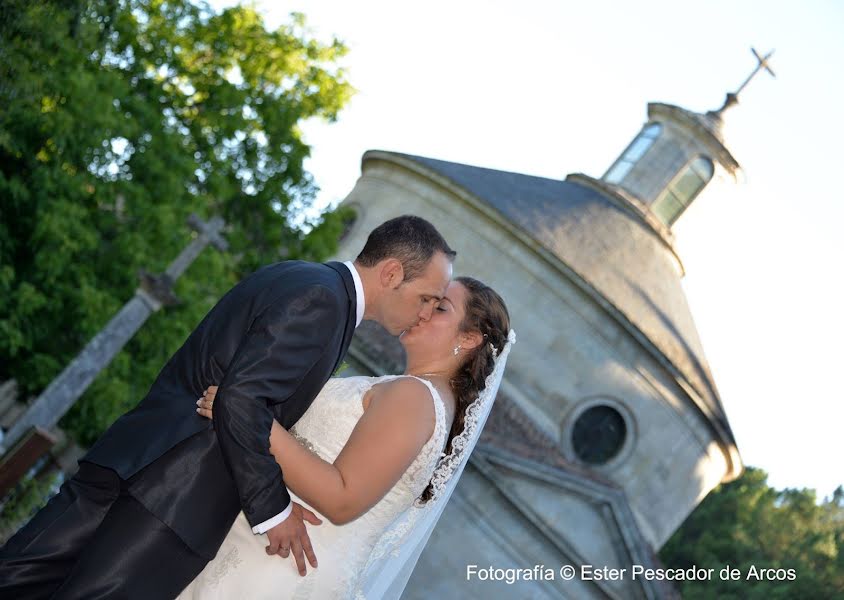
[[369, 452]]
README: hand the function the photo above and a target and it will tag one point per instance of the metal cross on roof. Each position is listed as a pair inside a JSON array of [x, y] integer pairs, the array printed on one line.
[[762, 63]]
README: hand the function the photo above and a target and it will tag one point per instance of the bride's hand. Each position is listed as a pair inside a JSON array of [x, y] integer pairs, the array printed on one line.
[[205, 405]]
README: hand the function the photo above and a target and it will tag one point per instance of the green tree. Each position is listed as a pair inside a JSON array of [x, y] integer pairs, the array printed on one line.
[[119, 118], [746, 523]]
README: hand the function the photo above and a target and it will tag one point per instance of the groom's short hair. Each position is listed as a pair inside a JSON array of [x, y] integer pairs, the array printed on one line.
[[410, 239]]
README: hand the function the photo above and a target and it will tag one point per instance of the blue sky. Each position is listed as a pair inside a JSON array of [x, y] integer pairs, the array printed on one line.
[[550, 88]]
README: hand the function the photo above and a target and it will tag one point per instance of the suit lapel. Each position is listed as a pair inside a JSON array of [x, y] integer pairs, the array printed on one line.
[[351, 321]]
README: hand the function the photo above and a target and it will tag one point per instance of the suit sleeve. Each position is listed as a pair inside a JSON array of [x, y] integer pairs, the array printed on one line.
[[281, 347]]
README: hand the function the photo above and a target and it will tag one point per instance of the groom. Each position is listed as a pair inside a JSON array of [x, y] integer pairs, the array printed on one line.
[[156, 495]]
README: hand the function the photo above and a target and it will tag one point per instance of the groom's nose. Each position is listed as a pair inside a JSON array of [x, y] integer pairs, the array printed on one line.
[[426, 312]]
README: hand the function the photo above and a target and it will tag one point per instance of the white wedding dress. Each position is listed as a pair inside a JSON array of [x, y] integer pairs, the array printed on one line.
[[242, 569]]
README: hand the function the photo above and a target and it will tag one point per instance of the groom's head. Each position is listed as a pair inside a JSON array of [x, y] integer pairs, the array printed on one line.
[[406, 267]]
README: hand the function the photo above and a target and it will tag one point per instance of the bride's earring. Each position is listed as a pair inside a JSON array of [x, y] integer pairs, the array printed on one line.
[[456, 350]]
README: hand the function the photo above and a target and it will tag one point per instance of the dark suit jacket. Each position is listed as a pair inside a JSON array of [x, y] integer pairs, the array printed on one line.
[[270, 344]]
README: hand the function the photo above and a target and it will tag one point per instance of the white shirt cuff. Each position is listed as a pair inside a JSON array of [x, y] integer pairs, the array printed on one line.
[[270, 523]]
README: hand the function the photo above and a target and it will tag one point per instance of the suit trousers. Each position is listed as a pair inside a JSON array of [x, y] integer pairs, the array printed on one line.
[[94, 540]]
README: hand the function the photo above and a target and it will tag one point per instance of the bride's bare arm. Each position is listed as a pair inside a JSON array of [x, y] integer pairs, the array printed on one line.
[[387, 438]]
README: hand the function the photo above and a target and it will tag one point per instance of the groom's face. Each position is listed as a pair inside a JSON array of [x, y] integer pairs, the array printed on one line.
[[414, 301]]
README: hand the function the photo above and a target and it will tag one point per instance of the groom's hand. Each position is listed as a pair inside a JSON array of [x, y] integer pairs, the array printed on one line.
[[292, 535]]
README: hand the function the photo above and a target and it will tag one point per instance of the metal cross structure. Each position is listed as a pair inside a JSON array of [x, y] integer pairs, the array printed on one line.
[[154, 292], [762, 63]]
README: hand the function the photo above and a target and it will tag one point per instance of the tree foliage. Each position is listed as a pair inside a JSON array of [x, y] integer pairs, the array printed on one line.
[[119, 118], [746, 523]]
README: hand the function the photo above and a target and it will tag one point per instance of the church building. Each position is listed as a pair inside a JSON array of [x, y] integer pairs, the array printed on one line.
[[608, 429]]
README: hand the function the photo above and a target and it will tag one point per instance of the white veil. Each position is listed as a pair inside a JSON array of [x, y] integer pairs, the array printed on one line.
[[394, 555]]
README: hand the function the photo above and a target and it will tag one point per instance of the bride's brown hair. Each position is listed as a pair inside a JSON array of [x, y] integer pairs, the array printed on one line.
[[487, 314]]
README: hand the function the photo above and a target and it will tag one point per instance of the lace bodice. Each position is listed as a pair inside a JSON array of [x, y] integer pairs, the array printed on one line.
[[328, 423], [241, 566]]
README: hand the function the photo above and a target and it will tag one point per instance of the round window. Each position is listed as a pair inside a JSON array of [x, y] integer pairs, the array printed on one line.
[[598, 434]]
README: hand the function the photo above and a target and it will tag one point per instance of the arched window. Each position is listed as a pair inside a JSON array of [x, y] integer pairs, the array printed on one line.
[[677, 197], [634, 152]]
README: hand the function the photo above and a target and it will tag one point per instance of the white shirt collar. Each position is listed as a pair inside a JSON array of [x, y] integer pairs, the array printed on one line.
[[361, 300]]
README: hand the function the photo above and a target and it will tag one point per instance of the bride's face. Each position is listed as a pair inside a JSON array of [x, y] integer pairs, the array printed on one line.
[[438, 336]]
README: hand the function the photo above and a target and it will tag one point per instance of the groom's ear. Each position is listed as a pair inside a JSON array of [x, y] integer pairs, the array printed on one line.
[[391, 273]]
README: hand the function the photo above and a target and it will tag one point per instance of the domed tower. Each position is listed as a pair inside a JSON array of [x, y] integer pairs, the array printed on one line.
[[675, 156], [608, 429]]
